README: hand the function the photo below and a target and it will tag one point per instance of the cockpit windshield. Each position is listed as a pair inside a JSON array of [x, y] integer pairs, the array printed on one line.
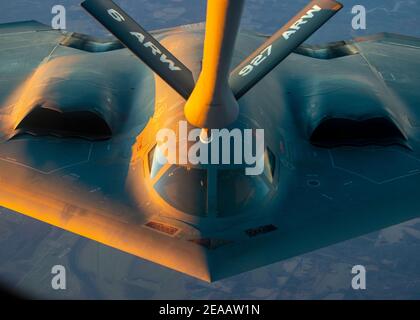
[[237, 192], [188, 188], [185, 189]]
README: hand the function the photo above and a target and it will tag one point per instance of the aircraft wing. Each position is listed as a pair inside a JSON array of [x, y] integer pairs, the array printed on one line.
[[356, 183], [73, 178]]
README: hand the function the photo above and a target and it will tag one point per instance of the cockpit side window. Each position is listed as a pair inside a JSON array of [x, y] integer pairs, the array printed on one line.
[[269, 164], [156, 161]]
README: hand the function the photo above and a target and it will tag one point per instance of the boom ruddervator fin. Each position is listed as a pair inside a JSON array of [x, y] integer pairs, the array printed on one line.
[[281, 44], [142, 44]]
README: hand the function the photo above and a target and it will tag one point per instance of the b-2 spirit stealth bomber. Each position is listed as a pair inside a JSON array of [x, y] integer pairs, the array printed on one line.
[[79, 117]]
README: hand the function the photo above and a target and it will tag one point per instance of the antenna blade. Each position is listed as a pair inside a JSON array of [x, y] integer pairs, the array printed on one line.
[[281, 44], [142, 44]]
